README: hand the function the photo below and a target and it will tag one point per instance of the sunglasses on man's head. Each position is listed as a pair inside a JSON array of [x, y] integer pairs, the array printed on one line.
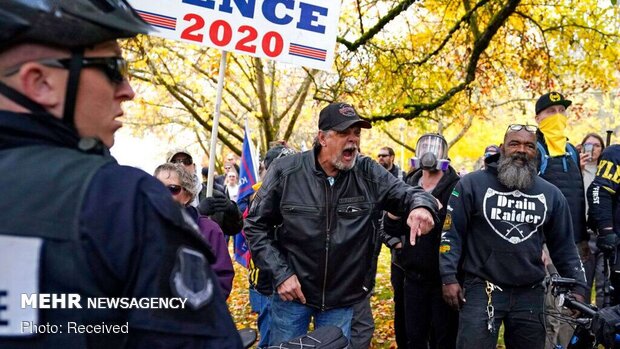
[[519, 127], [115, 68], [184, 161], [174, 189], [284, 152]]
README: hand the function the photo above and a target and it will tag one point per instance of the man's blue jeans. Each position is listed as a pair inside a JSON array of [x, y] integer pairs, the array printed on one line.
[[291, 319], [261, 304], [519, 308]]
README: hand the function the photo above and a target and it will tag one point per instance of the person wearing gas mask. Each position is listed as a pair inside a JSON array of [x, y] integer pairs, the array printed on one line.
[[424, 310], [559, 164]]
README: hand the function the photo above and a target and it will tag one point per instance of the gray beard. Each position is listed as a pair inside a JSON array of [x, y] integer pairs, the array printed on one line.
[[339, 164], [514, 176]]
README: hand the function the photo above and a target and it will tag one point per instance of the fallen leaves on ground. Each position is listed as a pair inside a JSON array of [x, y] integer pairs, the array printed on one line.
[[381, 303]]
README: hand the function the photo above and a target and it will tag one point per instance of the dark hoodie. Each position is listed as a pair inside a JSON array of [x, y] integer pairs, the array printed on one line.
[[421, 260], [498, 232], [565, 173]]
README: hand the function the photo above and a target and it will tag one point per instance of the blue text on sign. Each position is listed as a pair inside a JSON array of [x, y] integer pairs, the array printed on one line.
[[309, 14]]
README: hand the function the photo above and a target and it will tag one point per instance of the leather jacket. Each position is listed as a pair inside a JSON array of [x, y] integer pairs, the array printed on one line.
[[326, 233]]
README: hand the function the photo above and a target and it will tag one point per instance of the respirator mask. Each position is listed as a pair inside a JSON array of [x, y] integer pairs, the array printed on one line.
[[431, 153]]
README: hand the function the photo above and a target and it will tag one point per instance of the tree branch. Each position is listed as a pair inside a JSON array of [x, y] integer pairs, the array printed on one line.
[[301, 98], [465, 19], [381, 23], [462, 132], [262, 97], [397, 141], [479, 47]]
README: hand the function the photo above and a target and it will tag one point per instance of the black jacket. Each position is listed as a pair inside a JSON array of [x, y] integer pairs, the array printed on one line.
[[603, 196], [397, 172], [422, 260], [499, 232], [128, 239], [564, 173], [326, 234]]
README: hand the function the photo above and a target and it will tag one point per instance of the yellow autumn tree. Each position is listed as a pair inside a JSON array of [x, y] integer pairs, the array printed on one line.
[[461, 68]]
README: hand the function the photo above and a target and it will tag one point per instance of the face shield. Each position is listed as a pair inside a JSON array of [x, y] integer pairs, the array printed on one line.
[[431, 153]]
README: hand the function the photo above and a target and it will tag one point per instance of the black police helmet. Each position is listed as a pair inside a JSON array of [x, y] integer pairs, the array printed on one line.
[[67, 23]]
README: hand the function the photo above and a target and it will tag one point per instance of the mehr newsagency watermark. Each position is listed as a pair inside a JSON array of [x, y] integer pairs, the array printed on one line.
[[75, 301]]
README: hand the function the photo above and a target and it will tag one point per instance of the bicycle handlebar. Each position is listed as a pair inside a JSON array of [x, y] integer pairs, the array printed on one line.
[[562, 286], [597, 327], [585, 309], [552, 270]]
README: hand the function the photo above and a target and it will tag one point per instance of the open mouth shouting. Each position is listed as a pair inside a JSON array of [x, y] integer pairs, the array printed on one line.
[[349, 153]]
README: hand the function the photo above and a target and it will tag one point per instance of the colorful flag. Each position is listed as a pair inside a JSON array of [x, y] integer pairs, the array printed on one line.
[[247, 172], [247, 178], [242, 250]]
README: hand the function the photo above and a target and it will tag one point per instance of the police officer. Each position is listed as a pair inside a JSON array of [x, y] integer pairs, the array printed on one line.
[[75, 223]]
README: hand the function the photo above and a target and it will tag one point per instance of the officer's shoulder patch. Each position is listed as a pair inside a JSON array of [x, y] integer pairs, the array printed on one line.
[[447, 223], [444, 248], [20, 260], [190, 278]]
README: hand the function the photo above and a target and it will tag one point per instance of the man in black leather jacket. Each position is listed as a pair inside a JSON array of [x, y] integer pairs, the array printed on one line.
[[325, 203]]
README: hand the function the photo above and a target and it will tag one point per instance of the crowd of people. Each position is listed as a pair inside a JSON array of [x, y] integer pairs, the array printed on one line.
[[468, 253]]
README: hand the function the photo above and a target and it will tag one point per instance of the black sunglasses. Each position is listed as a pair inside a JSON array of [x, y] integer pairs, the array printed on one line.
[[519, 127], [383, 155], [184, 161], [174, 189], [115, 68]]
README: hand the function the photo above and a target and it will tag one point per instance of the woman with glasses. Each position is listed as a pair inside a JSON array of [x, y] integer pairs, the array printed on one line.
[[591, 148], [182, 187]]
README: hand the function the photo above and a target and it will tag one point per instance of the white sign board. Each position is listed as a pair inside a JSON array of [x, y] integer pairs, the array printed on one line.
[[301, 32]]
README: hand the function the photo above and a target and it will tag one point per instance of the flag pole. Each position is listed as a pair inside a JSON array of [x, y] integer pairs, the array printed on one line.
[[216, 122]]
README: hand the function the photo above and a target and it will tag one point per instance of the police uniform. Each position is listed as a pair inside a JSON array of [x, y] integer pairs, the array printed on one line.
[[79, 232], [82, 224]]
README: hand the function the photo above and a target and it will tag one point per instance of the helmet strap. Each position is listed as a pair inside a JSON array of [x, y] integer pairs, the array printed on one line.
[[21, 99], [75, 68]]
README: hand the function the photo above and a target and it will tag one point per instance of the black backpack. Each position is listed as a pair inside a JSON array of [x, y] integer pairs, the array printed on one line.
[[328, 337]]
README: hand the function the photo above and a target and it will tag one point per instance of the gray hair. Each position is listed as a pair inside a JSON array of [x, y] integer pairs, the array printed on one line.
[[188, 181], [514, 176]]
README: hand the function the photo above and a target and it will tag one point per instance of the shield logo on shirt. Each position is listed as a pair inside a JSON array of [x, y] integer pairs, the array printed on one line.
[[513, 215], [190, 279]]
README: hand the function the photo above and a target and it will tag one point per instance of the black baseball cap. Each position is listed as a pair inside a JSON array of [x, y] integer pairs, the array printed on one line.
[[275, 153], [490, 150], [339, 117], [549, 99]]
